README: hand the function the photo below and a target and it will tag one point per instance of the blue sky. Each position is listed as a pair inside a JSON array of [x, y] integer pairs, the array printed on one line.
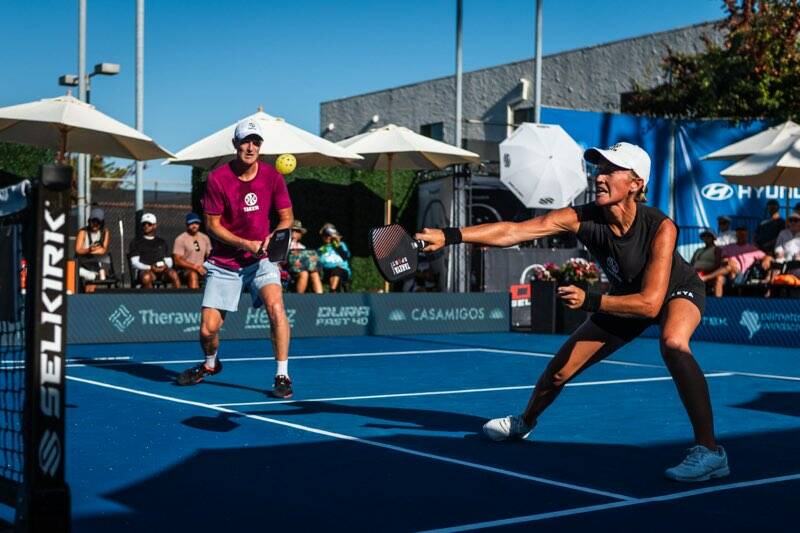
[[209, 63]]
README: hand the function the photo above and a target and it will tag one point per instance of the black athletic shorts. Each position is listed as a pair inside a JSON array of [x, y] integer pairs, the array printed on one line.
[[692, 289]]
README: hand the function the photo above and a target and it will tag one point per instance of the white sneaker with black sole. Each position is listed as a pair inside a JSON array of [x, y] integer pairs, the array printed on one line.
[[507, 427], [700, 464]]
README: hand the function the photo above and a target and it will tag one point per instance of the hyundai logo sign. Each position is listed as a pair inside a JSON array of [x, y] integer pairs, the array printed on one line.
[[717, 191]]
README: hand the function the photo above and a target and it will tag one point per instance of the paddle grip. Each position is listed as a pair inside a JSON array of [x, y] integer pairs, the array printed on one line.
[[418, 245]]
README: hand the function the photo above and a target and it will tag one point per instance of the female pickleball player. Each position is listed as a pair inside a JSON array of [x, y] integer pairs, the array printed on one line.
[[650, 284]]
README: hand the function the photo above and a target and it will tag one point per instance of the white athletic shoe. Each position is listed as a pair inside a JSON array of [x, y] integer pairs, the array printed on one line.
[[700, 464], [508, 427]]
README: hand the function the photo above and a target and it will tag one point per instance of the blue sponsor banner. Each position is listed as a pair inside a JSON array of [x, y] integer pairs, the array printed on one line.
[[698, 194], [168, 316], [701, 193], [735, 320]]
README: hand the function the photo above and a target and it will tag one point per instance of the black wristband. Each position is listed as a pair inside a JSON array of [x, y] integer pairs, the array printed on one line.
[[591, 301], [452, 236]]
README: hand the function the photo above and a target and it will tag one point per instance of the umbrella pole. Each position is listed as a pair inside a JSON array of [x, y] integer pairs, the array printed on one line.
[[62, 152], [787, 193], [387, 215]]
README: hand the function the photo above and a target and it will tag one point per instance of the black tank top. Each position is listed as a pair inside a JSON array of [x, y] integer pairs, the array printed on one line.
[[625, 258]]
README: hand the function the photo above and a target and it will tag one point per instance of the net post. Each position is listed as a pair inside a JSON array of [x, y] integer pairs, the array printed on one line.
[[45, 504]]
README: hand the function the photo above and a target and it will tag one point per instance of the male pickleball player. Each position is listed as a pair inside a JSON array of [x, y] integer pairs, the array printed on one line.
[[237, 204]]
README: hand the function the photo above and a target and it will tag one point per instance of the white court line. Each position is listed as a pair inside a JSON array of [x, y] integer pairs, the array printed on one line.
[[459, 391], [615, 505], [767, 376], [293, 357], [550, 356], [350, 438], [360, 354], [125, 360]]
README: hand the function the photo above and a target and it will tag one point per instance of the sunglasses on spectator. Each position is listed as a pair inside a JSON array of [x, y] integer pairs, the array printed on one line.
[[147, 224]]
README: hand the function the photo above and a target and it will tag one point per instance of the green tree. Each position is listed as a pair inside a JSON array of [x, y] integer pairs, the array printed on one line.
[[24, 160], [755, 73]]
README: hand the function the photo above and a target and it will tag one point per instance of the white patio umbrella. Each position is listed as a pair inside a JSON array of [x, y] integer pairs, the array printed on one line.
[[776, 164], [67, 124], [756, 143], [393, 147], [280, 137], [543, 166]]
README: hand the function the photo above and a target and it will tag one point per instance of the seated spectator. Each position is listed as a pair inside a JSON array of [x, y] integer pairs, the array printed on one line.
[[787, 248], [736, 259], [189, 252], [91, 249], [302, 262], [797, 208], [769, 228], [708, 258], [150, 256], [334, 257], [725, 235]]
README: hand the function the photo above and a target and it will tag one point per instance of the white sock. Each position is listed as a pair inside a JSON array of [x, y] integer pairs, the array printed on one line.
[[283, 368], [211, 361]]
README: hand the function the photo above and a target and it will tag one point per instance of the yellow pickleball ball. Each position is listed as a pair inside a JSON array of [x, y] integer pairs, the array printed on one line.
[[285, 163]]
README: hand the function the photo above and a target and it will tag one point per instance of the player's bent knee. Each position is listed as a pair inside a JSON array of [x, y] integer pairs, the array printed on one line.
[[672, 344], [209, 331]]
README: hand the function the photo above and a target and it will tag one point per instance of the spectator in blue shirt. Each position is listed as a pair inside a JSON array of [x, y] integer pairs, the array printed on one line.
[[334, 256]]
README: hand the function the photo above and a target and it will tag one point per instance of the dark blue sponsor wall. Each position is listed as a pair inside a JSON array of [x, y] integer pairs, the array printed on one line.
[[771, 322], [160, 317]]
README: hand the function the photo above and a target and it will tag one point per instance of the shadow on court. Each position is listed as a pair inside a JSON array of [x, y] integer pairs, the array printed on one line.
[[782, 403], [626, 469], [161, 374], [338, 485], [325, 486]]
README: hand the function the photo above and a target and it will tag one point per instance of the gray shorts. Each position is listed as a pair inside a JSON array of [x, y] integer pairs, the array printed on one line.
[[224, 286]]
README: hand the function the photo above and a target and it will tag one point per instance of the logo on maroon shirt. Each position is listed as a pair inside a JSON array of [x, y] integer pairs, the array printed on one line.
[[251, 202]]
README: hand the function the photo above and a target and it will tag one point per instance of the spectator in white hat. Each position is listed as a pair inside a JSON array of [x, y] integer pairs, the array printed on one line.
[[150, 256]]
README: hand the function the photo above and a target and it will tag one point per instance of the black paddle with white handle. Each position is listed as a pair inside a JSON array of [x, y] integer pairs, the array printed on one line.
[[394, 251]]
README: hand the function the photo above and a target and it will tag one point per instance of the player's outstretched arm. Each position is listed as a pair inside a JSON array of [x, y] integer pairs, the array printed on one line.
[[503, 234]]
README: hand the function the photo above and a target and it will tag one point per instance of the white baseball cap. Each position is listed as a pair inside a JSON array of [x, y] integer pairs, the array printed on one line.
[[148, 217], [624, 155], [247, 127]]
